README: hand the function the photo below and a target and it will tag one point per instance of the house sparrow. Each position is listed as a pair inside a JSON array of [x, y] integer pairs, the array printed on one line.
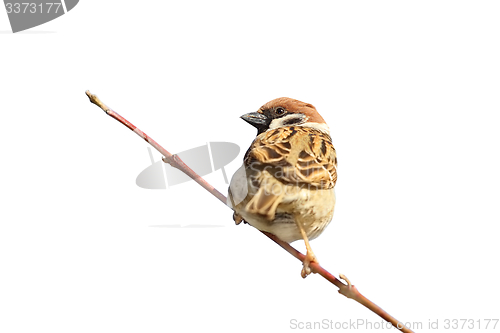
[[286, 184]]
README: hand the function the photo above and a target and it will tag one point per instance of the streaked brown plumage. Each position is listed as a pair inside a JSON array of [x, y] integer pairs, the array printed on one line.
[[286, 183]]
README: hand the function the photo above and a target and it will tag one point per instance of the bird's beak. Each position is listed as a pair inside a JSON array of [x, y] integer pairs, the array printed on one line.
[[256, 119]]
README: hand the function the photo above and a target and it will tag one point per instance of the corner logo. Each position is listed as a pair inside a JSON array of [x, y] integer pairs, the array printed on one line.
[[26, 15]]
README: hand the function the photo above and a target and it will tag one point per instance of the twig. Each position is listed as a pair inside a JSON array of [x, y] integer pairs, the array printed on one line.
[[171, 159], [348, 290]]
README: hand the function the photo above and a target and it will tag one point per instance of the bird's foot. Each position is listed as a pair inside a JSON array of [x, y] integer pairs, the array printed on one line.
[[306, 270], [237, 218]]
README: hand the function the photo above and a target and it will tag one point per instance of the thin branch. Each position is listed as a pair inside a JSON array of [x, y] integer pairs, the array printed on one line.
[[348, 290], [169, 158]]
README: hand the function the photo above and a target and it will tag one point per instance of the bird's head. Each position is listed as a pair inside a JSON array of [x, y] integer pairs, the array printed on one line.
[[285, 111]]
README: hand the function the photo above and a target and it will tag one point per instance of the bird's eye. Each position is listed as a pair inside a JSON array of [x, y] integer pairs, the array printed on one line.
[[280, 111]]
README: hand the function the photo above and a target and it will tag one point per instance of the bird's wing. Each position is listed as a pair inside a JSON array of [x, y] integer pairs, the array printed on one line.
[[295, 155], [300, 156]]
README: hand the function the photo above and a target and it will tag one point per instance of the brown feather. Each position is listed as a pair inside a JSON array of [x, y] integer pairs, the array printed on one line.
[[296, 106], [307, 158]]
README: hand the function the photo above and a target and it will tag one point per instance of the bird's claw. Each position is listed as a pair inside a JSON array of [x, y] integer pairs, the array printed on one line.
[[306, 269], [237, 218]]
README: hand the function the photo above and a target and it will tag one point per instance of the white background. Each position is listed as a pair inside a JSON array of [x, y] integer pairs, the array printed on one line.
[[410, 91]]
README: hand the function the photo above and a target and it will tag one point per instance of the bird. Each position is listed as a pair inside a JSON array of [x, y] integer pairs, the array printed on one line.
[[286, 183]]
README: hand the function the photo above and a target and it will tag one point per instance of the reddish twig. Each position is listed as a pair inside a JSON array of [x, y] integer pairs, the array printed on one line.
[[348, 290]]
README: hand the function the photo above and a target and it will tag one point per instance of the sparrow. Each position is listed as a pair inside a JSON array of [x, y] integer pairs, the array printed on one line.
[[286, 183]]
